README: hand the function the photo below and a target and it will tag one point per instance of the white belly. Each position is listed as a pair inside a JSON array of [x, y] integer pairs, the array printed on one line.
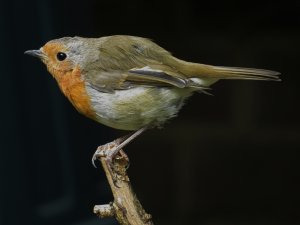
[[137, 107]]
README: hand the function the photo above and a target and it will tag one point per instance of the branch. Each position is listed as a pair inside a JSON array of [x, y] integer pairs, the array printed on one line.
[[126, 208]]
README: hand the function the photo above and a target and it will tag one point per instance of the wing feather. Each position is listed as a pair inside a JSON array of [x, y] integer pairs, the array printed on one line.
[[131, 62]]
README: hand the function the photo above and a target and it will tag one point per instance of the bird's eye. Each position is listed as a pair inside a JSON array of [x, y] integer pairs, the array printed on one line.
[[61, 56]]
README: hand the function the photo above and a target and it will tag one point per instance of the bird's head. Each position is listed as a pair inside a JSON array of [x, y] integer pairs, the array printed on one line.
[[64, 55]]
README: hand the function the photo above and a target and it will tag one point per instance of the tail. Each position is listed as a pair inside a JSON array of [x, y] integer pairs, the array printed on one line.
[[222, 72], [244, 73]]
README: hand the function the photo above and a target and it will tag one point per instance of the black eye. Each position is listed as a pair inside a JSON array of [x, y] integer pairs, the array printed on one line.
[[61, 56]]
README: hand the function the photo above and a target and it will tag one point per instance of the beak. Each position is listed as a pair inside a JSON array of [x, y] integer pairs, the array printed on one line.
[[36, 53]]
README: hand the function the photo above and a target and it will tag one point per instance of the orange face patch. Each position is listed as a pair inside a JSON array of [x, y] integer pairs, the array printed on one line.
[[51, 49]]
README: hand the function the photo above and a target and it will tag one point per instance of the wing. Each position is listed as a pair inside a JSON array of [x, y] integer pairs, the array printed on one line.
[[125, 62]]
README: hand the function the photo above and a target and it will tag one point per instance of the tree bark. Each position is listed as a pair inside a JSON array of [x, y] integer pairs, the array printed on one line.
[[126, 207]]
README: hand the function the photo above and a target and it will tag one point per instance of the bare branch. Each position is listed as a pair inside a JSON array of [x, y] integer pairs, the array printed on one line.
[[126, 207]]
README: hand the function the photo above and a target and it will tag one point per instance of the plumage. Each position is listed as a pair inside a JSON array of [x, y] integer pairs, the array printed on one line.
[[131, 82]]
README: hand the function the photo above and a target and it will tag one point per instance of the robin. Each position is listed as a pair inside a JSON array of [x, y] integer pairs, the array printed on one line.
[[130, 83]]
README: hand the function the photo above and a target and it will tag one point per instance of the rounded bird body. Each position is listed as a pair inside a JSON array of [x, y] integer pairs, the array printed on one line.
[[128, 82]]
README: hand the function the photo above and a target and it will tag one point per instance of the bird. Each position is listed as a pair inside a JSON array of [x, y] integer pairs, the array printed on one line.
[[130, 83]]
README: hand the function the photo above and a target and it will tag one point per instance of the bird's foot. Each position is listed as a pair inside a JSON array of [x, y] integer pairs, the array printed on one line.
[[115, 158], [112, 154], [102, 151]]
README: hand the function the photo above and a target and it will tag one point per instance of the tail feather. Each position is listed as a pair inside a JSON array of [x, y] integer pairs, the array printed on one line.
[[222, 72], [245, 73]]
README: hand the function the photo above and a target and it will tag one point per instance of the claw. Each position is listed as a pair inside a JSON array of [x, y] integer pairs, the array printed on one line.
[[94, 158], [100, 152]]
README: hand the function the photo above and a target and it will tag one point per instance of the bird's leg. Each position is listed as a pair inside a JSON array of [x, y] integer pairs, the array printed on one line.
[[110, 150], [126, 141]]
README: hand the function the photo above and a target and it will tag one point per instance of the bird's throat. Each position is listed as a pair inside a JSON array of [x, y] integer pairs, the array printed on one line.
[[73, 87]]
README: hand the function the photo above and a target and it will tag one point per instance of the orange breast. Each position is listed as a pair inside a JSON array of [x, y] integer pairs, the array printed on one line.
[[73, 88]]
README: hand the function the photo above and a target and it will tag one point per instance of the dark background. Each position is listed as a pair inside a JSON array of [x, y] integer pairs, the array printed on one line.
[[228, 159]]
